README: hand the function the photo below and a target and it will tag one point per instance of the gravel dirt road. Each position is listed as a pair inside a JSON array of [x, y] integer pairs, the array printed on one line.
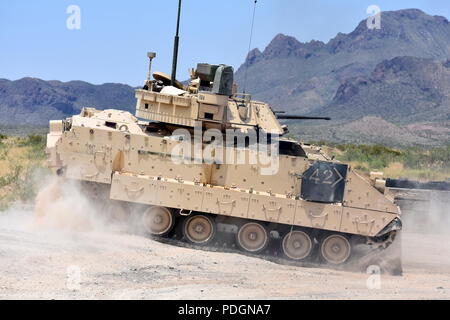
[[38, 263]]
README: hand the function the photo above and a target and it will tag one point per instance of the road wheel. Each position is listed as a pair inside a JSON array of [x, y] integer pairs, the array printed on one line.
[[158, 220], [252, 237], [297, 245], [199, 229], [335, 249]]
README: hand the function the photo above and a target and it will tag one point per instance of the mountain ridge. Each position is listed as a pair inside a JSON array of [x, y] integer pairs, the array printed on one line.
[[305, 76], [34, 101]]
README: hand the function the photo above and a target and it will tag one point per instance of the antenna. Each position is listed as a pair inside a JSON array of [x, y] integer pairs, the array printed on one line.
[[250, 44], [175, 47]]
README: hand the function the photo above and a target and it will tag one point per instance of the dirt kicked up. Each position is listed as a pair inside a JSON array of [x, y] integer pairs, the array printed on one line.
[[68, 251]]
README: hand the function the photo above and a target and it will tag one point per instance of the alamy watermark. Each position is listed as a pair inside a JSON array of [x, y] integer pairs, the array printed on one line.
[[73, 22], [374, 21], [235, 147]]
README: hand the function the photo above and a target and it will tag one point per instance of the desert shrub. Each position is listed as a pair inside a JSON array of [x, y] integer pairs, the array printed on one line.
[[32, 140], [27, 186], [377, 156], [36, 144], [23, 167], [437, 158], [3, 152], [23, 185], [11, 178], [36, 153]]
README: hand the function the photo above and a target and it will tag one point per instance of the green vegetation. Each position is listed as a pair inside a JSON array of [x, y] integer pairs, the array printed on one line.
[[376, 156], [36, 144], [411, 163], [31, 140], [22, 164]]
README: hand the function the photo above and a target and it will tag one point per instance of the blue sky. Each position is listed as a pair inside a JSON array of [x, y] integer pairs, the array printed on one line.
[[114, 37]]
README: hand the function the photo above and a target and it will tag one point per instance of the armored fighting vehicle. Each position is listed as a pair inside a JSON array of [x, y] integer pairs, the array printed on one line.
[[193, 154], [201, 160]]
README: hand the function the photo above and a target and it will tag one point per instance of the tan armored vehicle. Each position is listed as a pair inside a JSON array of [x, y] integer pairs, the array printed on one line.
[[200, 160], [201, 155]]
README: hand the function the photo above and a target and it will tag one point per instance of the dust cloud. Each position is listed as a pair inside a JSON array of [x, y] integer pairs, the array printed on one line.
[[426, 233], [68, 227], [61, 206], [66, 207]]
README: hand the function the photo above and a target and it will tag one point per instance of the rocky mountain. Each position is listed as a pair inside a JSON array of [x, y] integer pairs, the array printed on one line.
[[31, 101], [403, 90], [398, 74], [300, 77]]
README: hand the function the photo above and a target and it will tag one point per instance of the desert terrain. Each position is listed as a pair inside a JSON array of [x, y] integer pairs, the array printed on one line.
[[100, 263]]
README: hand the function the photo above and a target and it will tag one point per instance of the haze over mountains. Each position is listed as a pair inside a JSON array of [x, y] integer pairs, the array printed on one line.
[[388, 85], [33, 101]]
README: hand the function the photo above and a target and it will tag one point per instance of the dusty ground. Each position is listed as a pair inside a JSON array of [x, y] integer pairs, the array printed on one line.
[[35, 263]]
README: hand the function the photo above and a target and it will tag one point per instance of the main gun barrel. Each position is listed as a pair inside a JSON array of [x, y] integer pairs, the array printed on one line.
[[294, 117]]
